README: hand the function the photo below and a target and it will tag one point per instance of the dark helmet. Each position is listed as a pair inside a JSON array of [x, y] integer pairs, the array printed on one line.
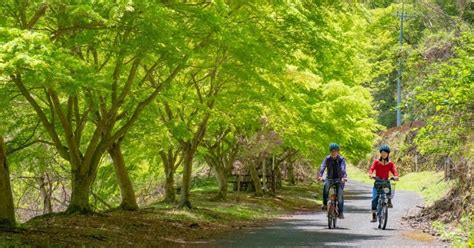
[[384, 148], [333, 146]]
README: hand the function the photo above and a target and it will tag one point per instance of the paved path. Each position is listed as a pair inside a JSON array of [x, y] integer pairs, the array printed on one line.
[[311, 230]]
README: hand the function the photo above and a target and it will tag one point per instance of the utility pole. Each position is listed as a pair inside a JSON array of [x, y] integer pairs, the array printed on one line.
[[399, 79]]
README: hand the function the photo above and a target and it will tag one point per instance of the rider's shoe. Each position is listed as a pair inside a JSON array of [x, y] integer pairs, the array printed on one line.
[[389, 203], [324, 207], [374, 217], [340, 216]]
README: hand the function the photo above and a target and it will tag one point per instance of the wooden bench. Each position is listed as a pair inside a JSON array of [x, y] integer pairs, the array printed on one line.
[[245, 182]]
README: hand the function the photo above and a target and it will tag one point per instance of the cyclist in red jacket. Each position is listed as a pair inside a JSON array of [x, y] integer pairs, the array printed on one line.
[[382, 167]]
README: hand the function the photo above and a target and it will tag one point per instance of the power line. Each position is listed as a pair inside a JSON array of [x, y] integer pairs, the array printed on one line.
[[400, 66]]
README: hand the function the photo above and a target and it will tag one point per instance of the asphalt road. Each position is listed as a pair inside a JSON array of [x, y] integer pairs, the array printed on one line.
[[356, 230]]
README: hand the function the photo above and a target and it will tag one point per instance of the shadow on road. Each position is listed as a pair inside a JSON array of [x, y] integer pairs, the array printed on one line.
[[386, 229], [297, 238], [350, 209], [311, 229], [357, 197]]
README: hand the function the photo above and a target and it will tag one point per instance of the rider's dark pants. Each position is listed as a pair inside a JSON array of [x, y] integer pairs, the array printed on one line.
[[375, 197], [340, 194]]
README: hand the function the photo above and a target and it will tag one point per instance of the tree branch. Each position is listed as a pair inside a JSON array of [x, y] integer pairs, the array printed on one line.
[[131, 77], [39, 13], [124, 129], [60, 32], [115, 78], [198, 91], [26, 145], [68, 133], [44, 119]]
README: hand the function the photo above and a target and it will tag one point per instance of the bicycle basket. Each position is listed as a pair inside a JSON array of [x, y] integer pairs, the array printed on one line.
[[392, 194], [382, 187]]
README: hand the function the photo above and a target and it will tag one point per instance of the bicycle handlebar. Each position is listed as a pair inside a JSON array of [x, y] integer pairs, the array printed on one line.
[[380, 179], [334, 180]]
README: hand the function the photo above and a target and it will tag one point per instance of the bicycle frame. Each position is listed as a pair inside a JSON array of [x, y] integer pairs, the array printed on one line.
[[333, 198], [383, 188], [333, 210]]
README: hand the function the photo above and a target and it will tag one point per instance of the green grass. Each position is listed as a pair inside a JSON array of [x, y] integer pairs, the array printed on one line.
[[11, 242], [354, 173], [430, 185], [240, 206], [462, 235], [207, 184], [208, 211]]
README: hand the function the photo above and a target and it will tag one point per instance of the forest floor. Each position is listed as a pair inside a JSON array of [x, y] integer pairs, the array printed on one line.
[[162, 224]]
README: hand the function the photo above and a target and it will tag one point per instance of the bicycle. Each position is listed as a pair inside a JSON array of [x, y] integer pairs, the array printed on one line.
[[333, 209], [385, 191]]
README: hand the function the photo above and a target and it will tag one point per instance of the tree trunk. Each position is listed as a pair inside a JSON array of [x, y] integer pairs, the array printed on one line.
[[291, 174], [219, 167], [221, 177], [170, 164], [465, 174], [255, 179], [46, 194], [188, 154], [189, 149], [264, 174], [170, 191], [416, 162], [278, 176], [80, 192], [7, 210], [273, 175], [129, 201]]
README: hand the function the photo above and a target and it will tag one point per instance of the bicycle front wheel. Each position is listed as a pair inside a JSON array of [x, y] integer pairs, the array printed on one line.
[[384, 217], [380, 212], [331, 213]]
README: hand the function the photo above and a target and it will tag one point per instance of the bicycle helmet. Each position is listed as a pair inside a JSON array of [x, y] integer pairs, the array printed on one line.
[[384, 148], [333, 146]]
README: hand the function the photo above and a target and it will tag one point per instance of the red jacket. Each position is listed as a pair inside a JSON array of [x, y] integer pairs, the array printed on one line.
[[382, 171]]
